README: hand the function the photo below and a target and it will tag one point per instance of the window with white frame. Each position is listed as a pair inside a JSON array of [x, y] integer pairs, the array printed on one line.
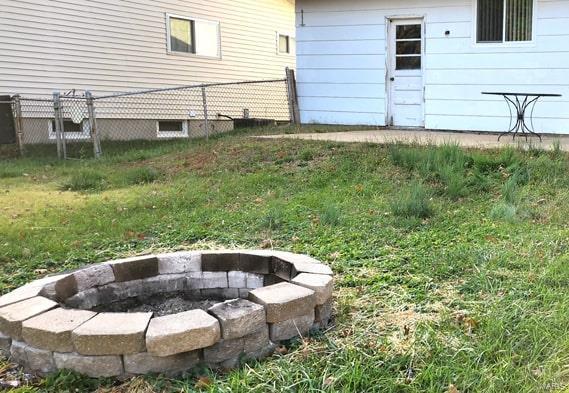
[[172, 128], [71, 129], [285, 44], [500, 21], [193, 36]]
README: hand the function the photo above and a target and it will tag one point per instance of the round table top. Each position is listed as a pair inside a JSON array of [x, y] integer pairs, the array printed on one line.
[[507, 93]]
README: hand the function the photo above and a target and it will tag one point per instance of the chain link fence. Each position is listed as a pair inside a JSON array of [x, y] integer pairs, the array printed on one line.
[[78, 125]]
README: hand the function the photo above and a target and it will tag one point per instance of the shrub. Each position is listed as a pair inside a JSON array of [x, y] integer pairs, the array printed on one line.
[[85, 180], [143, 175], [414, 203]]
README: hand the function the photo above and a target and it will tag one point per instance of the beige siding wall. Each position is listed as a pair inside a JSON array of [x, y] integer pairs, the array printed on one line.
[[110, 46]]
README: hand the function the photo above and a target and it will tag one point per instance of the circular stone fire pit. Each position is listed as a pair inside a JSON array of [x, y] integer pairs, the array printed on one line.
[[165, 313]]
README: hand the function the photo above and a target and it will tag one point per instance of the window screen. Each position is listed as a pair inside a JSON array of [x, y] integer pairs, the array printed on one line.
[[504, 21], [182, 35]]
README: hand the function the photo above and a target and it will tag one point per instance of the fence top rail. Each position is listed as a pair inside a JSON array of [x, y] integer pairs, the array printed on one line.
[[150, 91]]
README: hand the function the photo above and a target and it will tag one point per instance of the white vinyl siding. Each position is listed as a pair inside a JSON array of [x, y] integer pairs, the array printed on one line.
[[108, 46], [341, 64]]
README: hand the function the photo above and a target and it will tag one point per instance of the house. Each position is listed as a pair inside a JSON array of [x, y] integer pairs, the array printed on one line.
[[110, 46], [425, 63]]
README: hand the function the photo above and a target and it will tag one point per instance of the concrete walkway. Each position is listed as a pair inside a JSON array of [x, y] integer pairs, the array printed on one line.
[[424, 137]]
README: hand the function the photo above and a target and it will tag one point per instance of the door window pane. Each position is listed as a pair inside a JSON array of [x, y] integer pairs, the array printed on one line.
[[408, 63], [409, 47], [408, 31], [182, 35]]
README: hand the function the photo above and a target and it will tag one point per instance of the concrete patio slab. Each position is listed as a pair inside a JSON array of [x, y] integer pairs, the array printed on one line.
[[426, 137]]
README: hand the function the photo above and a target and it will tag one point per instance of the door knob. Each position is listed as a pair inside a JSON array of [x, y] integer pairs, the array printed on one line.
[[392, 79]]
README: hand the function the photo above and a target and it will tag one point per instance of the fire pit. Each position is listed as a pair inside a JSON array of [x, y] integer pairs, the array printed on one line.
[[165, 313]]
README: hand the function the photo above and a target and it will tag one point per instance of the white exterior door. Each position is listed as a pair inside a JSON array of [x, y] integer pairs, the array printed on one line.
[[405, 73]]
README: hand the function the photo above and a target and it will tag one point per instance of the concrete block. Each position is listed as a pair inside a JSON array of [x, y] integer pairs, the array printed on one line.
[[183, 332], [237, 279], [112, 334], [257, 341], [52, 330], [255, 281], [238, 318], [321, 284], [92, 366], [323, 313], [135, 268], [284, 301], [255, 261], [223, 350], [179, 262], [166, 283], [84, 300], [18, 352], [285, 330], [145, 363], [207, 280], [281, 268], [39, 360], [12, 316], [220, 261], [220, 293], [5, 345], [94, 276]]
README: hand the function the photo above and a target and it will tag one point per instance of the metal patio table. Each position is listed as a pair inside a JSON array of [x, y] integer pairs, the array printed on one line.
[[521, 102]]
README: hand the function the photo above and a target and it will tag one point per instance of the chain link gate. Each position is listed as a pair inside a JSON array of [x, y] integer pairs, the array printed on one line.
[[75, 127]]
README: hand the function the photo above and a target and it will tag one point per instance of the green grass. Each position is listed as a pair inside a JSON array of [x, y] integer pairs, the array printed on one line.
[[473, 294]]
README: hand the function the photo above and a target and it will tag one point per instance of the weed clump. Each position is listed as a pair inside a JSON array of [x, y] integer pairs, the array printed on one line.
[[143, 175], [330, 215], [414, 203], [85, 180]]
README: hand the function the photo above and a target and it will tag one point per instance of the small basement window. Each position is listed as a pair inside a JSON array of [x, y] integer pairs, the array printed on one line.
[[71, 129], [193, 36], [172, 128], [500, 21], [284, 43]]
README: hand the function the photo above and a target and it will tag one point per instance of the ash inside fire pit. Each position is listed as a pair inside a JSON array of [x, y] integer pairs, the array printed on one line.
[[160, 305], [165, 313]]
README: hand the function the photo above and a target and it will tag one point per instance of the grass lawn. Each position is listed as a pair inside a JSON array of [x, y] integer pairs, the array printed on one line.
[[452, 266]]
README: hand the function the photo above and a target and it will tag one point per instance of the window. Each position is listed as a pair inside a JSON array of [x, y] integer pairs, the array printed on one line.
[[504, 21], [408, 47], [182, 33], [172, 128], [71, 129], [193, 36], [284, 43]]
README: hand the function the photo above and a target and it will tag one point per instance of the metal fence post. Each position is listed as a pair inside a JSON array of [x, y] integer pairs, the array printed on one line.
[[58, 123], [93, 124], [17, 108], [292, 97], [206, 120]]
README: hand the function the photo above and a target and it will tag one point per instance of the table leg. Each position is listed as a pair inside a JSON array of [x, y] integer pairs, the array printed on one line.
[[527, 127], [517, 108], [520, 126]]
